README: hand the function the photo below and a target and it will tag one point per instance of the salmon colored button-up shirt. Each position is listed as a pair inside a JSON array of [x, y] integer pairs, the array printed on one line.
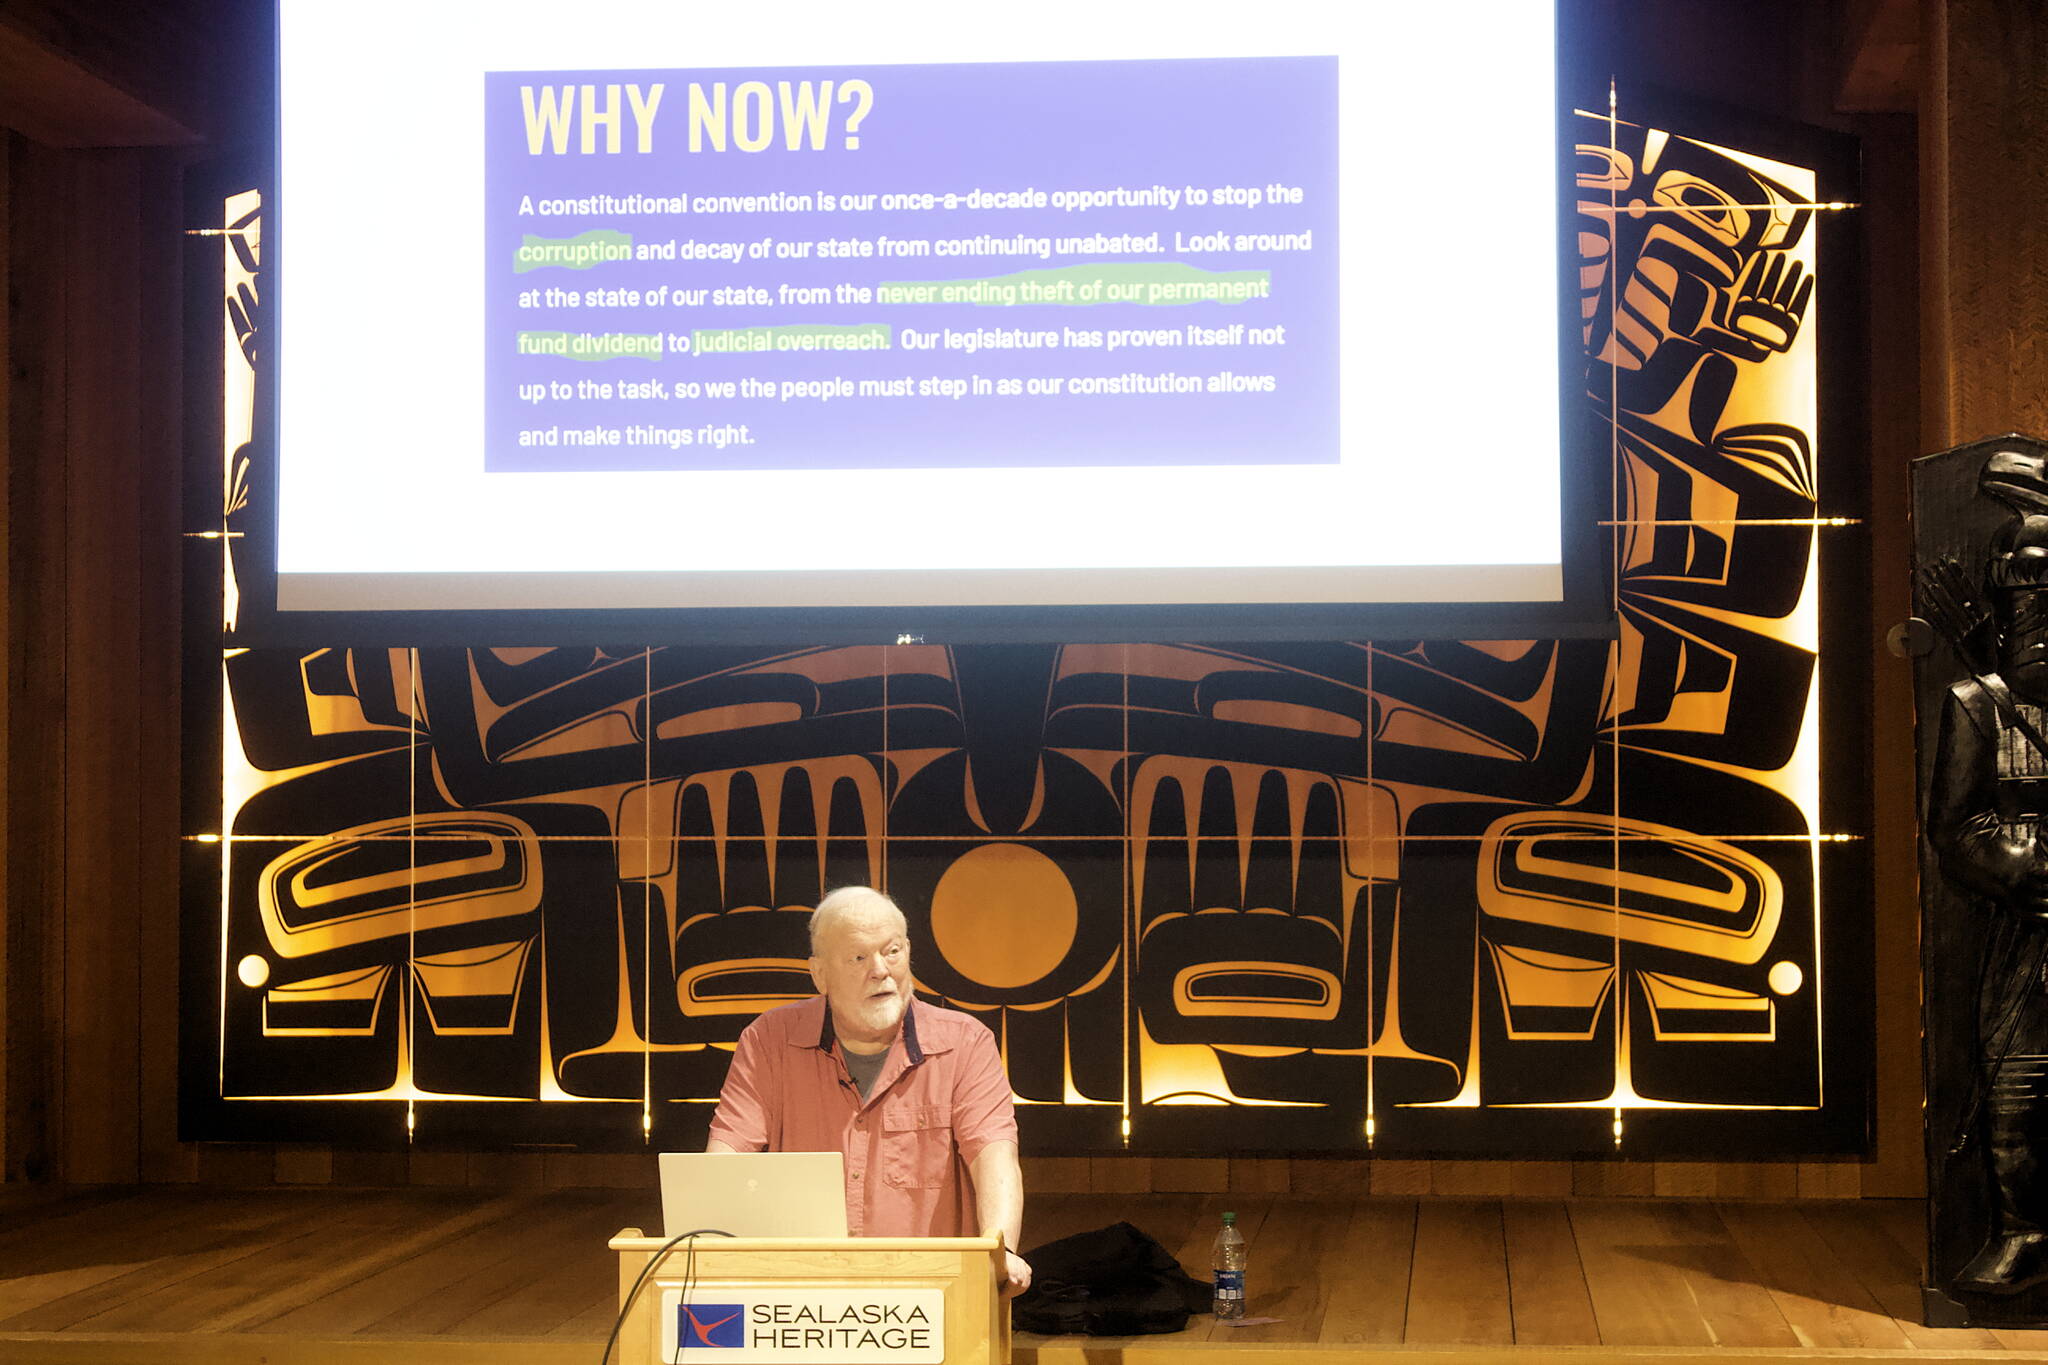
[[941, 1097]]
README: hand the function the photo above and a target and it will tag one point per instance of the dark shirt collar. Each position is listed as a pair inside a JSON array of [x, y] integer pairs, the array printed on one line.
[[913, 1054]]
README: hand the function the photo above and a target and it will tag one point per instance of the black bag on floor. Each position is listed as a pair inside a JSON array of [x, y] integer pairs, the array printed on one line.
[[1112, 1282]]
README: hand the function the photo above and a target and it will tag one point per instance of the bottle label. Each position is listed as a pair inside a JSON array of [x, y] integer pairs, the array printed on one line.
[[1230, 1285]]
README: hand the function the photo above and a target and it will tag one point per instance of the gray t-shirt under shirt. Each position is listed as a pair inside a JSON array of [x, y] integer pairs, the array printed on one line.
[[864, 1067]]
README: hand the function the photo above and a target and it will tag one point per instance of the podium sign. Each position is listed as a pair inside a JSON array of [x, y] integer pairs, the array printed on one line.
[[812, 1301], [763, 1323]]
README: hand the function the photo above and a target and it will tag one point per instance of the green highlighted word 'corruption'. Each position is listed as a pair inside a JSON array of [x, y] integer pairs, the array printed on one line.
[[586, 249], [866, 336], [592, 345], [1161, 283]]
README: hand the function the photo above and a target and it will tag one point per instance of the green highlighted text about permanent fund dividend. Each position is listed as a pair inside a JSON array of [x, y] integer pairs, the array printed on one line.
[[599, 246], [592, 345], [1161, 283], [866, 336]]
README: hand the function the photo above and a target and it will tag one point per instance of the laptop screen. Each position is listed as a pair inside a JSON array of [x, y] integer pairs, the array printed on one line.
[[754, 1194]]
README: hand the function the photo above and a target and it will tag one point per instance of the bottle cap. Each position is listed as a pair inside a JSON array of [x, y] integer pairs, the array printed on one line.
[[1230, 1218]]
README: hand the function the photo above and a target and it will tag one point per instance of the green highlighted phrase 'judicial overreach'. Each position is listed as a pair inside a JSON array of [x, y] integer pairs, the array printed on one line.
[[865, 336]]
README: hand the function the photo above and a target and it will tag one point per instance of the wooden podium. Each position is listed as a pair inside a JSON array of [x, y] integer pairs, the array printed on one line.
[[780, 1283]]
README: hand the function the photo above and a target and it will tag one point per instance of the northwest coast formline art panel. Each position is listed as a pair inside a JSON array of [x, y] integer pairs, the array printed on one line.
[[1396, 895]]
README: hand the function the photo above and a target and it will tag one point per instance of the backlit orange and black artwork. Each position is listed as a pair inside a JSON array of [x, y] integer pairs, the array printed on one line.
[[1406, 894]]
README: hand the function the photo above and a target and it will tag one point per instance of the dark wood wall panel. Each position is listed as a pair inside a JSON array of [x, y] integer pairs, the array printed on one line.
[[1891, 178], [9, 994], [93, 473], [1987, 285], [35, 648], [100, 1127], [159, 635]]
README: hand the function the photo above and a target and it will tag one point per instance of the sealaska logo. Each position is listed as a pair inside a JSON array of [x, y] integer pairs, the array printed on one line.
[[712, 1324]]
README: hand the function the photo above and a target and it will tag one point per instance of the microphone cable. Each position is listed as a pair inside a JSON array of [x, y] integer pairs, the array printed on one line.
[[689, 1280]]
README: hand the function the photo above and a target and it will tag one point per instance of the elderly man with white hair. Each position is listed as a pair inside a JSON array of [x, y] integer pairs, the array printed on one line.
[[914, 1096]]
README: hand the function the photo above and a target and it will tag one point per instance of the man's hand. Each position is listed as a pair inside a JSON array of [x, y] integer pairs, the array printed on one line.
[[1016, 1274]]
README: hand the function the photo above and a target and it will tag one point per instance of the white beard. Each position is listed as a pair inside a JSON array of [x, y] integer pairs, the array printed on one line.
[[879, 1014]]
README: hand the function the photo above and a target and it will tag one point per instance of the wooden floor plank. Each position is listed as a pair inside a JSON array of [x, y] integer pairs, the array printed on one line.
[[583, 1261], [175, 1242], [1727, 1290], [425, 1263], [1458, 1279], [592, 1321], [1547, 1297], [1371, 1308], [130, 1348], [194, 1302], [85, 1230], [492, 1274], [2033, 1341], [1905, 1222], [1638, 1290], [22, 1294], [1856, 1233], [18, 1196], [1819, 1296], [373, 1258], [46, 1205], [1669, 1273], [65, 1244]]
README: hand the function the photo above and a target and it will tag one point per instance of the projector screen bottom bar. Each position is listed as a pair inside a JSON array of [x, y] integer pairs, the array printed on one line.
[[1383, 585]]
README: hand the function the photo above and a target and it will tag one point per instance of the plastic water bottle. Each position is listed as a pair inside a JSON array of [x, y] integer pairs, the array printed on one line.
[[1227, 1263]]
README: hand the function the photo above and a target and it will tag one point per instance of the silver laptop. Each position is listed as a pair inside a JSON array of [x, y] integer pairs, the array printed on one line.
[[754, 1194]]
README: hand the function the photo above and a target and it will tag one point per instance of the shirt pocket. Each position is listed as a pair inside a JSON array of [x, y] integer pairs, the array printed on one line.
[[917, 1145]]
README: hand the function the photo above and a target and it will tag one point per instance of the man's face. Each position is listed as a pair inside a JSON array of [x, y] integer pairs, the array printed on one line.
[[862, 967]]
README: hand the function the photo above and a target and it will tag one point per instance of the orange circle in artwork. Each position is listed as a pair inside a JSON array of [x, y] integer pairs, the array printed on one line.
[[1004, 915]]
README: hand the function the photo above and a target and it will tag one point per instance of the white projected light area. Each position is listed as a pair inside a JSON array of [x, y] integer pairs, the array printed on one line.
[[646, 303]]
